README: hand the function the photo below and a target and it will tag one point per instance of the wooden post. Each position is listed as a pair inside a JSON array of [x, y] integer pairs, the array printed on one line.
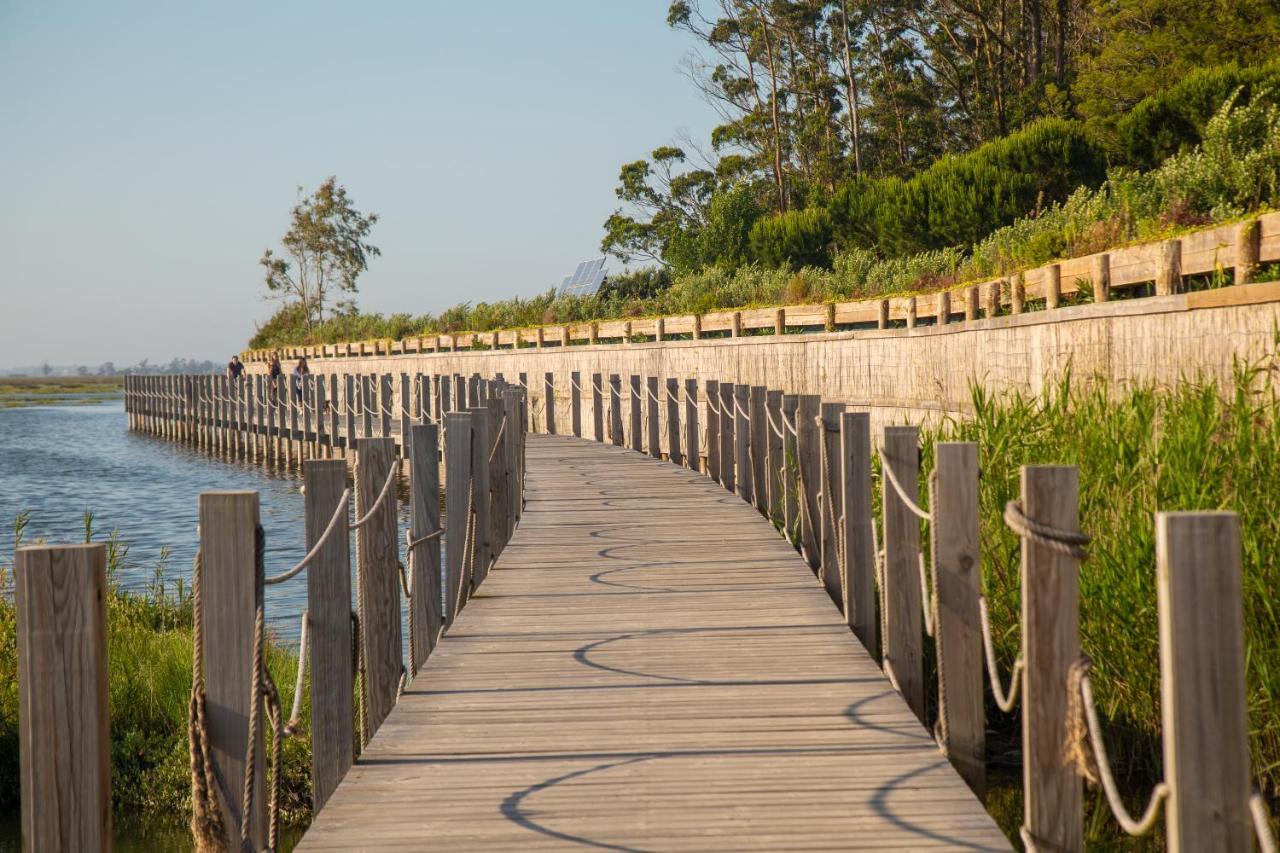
[[457, 485], [831, 504], [882, 317], [514, 454], [231, 591], [859, 549], [692, 443], [713, 429], [774, 462], [615, 409], [1169, 268], [728, 449], [636, 411], [64, 734], [780, 321], [808, 457], [1052, 286], [911, 312], [405, 438], [791, 469], [482, 428], [745, 473], [597, 407], [379, 580], [366, 408], [575, 402], [653, 440], [549, 395], [386, 406], [348, 403], [659, 329], [333, 414], [321, 407], [674, 453], [497, 476], [958, 630], [943, 310], [697, 327], [1248, 249], [1017, 293], [973, 295], [1100, 276], [329, 627], [424, 514], [903, 653], [1202, 667], [991, 299], [735, 324], [1051, 644], [759, 444]]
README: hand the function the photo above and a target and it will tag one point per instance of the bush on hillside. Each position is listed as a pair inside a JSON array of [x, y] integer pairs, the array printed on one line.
[[795, 239]]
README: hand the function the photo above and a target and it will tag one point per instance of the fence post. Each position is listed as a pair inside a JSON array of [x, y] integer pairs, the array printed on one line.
[[329, 629], [348, 403], [64, 731], [743, 478], [903, 655], [497, 463], [319, 438], [831, 504], [366, 407], [378, 578], [859, 548], [230, 592], [808, 459], [958, 630], [405, 399], [385, 383], [615, 409], [654, 439], [727, 447], [597, 406], [1248, 248], [1203, 700], [1169, 268], [713, 429], [1100, 276], [333, 414], [1051, 644], [674, 452], [789, 471], [759, 443], [692, 438], [549, 390], [457, 485], [575, 402], [481, 444], [636, 411], [514, 441], [774, 462], [424, 514]]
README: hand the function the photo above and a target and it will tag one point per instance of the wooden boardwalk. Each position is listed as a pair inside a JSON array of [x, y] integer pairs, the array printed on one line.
[[649, 667]]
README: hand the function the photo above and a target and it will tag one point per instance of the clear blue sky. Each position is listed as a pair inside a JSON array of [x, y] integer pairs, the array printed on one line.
[[150, 152]]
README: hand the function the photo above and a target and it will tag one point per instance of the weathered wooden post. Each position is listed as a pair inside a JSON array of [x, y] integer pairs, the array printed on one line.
[[744, 479], [1052, 286], [972, 298], [727, 447], [991, 299], [809, 459], [759, 442], [774, 461], [714, 418], [597, 407], [424, 543], [575, 402], [636, 410], [1169, 268], [692, 439], [320, 407], [903, 653], [385, 407], [378, 577], [958, 628], [457, 484], [674, 453], [549, 392], [329, 628], [911, 312], [482, 428], [230, 592], [366, 406], [333, 414], [1202, 667], [64, 734], [514, 454], [405, 438], [942, 309], [654, 438], [791, 469], [882, 314], [1017, 293], [831, 504], [615, 409], [348, 403], [1052, 790], [1100, 276], [497, 474], [1248, 246], [445, 397], [859, 539]]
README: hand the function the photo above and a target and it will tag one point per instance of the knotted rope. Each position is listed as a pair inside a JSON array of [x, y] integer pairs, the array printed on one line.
[[1069, 543], [206, 816]]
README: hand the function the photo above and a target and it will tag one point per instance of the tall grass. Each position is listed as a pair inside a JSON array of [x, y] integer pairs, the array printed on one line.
[[1195, 446], [149, 648]]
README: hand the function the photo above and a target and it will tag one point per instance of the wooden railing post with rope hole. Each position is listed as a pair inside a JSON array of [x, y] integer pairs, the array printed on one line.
[[728, 448], [692, 447], [808, 475], [549, 396], [422, 552], [575, 402], [859, 552], [378, 592], [652, 406], [758, 443], [615, 410], [597, 407], [635, 410], [406, 399], [386, 407], [900, 482], [675, 450], [513, 450], [457, 481], [482, 542], [334, 415], [774, 462], [957, 584], [64, 747], [329, 626], [831, 506], [744, 483], [497, 462], [712, 389]]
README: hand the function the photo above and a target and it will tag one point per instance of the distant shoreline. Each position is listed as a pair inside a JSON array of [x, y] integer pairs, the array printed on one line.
[[22, 391]]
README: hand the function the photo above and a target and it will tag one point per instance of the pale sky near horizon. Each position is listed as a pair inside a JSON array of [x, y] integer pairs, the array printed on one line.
[[150, 152]]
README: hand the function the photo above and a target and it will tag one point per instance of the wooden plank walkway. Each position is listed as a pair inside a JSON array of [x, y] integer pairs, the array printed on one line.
[[649, 667]]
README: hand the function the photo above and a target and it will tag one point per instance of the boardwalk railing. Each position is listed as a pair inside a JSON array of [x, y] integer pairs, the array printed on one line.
[[1155, 269]]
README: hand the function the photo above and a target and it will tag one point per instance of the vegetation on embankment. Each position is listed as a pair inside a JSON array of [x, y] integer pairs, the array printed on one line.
[[1193, 447], [18, 391], [149, 657]]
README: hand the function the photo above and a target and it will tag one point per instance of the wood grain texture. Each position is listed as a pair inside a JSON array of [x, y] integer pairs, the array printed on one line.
[[809, 463], [650, 668], [831, 504], [64, 736], [903, 642], [744, 478], [713, 429], [549, 401], [457, 483], [692, 437], [728, 448], [329, 608], [615, 410], [575, 402], [759, 444], [424, 514], [860, 606], [775, 463], [675, 451], [652, 407], [635, 410], [379, 580]]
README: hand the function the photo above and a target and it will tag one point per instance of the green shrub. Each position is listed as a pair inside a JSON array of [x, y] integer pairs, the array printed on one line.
[[797, 238]]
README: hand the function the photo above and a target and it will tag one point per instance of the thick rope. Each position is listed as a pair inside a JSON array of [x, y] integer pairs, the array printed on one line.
[[378, 501], [339, 512], [206, 816], [1262, 823], [1005, 701], [295, 715], [263, 691], [1069, 543], [902, 495]]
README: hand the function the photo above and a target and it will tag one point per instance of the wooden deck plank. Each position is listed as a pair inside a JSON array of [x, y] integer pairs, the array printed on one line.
[[649, 667]]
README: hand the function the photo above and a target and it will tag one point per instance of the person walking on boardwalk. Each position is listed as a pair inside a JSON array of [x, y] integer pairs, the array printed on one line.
[[274, 373], [235, 368], [299, 371]]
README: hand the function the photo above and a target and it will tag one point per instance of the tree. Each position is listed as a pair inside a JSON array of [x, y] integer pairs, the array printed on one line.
[[327, 251], [663, 205]]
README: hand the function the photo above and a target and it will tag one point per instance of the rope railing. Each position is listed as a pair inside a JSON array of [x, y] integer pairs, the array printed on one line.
[[1005, 700], [338, 513], [378, 501]]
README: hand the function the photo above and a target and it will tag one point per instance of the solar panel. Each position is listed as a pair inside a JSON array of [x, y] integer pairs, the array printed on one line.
[[586, 279]]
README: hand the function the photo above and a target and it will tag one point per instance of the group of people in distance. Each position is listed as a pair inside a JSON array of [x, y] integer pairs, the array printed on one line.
[[235, 369]]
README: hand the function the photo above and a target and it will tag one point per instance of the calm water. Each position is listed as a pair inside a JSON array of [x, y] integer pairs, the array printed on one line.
[[58, 461]]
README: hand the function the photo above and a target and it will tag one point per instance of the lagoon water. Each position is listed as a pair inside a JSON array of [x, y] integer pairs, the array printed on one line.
[[59, 461]]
